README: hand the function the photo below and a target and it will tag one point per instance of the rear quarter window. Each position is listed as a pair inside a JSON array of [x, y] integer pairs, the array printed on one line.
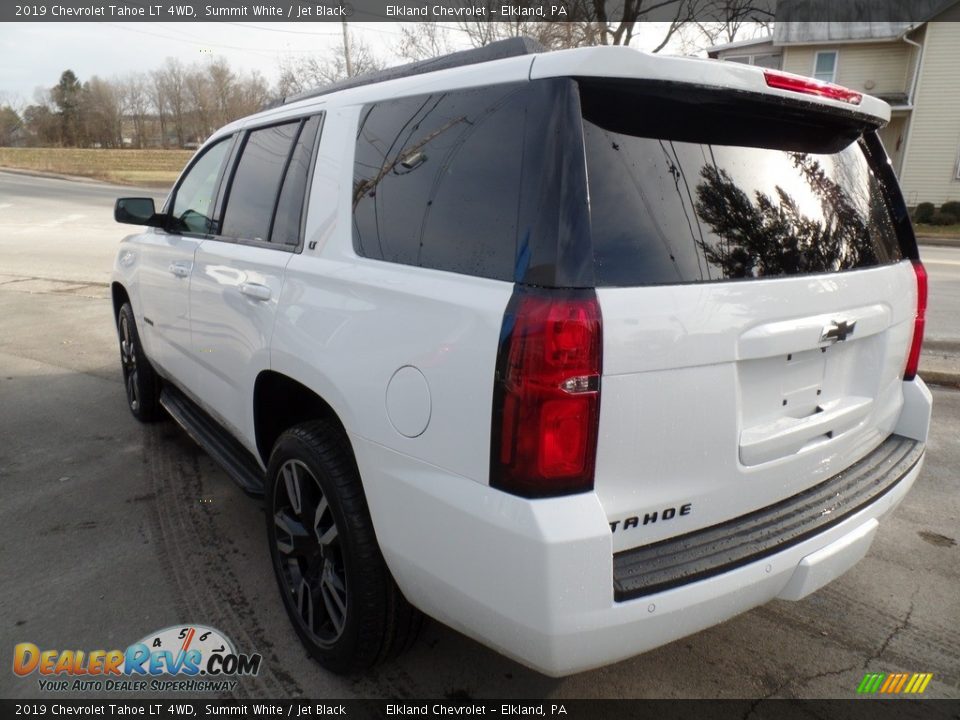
[[437, 180]]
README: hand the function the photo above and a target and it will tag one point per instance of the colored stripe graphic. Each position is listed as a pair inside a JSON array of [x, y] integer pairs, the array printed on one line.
[[894, 683]]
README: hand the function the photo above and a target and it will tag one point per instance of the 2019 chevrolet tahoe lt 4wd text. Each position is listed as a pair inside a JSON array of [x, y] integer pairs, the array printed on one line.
[[577, 352]]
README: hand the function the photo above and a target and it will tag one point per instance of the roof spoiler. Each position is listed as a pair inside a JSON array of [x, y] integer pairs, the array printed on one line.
[[512, 47]]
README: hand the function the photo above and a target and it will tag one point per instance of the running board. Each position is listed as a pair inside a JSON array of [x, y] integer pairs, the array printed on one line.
[[228, 453]]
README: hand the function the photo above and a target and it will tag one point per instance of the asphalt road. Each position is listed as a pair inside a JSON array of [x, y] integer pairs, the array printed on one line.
[[61, 229], [110, 529]]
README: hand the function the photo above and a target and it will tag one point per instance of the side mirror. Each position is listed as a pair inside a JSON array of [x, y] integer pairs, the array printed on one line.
[[137, 211]]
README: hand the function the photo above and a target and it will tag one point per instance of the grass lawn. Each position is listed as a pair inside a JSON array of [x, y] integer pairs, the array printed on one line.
[[158, 168], [938, 230]]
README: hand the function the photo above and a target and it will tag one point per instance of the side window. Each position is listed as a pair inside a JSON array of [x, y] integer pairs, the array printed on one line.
[[286, 226], [193, 204], [437, 180], [256, 181]]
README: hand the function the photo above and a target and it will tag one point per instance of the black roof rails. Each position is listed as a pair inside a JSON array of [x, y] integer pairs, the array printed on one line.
[[512, 47]]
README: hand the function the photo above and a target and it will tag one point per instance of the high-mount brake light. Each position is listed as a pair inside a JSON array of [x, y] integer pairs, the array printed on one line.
[[913, 359], [809, 86], [546, 399]]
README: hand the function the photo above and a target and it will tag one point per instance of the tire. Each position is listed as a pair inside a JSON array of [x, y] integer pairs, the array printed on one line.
[[140, 380], [336, 588]]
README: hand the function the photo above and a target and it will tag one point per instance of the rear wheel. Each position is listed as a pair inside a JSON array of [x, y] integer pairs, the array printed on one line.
[[336, 588], [139, 378]]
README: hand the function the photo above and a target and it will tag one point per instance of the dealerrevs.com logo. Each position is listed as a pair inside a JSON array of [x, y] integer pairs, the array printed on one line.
[[188, 658]]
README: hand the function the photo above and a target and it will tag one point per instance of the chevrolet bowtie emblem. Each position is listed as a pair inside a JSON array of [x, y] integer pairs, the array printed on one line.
[[837, 331]]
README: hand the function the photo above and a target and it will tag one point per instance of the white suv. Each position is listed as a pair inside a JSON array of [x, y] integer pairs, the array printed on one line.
[[577, 352]]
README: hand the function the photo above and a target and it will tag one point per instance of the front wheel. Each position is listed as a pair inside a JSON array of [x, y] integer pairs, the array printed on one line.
[[336, 588], [139, 378]]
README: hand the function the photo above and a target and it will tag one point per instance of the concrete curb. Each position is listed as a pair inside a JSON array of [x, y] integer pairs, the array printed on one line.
[[938, 241], [940, 362], [949, 380]]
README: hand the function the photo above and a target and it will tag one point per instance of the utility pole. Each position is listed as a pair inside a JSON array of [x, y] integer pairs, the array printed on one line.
[[346, 46]]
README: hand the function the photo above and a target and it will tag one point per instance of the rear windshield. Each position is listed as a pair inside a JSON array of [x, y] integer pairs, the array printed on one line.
[[695, 189]]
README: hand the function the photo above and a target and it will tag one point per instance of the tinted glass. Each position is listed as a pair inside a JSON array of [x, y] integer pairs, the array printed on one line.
[[672, 211], [193, 204], [256, 182], [286, 224], [437, 180]]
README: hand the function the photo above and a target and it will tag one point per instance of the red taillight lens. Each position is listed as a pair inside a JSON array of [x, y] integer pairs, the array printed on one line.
[[546, 400], [913, 359], [809, 86]]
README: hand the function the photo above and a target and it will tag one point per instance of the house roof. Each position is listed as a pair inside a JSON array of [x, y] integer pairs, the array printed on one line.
[[739, 45], [803, 33], [796, 22]]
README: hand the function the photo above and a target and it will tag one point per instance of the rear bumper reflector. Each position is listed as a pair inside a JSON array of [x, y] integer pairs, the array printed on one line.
[[701, 554]]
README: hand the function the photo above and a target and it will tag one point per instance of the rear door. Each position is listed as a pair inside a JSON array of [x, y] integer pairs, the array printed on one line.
[[238, 274], [757, 309]]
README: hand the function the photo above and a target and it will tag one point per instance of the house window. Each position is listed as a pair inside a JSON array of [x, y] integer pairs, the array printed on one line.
[[767, 60], [825, 66]]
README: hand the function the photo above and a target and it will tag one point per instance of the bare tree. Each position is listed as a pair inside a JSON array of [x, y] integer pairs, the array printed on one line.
[[174, 80], [726, 21], [102, 113], [598, 27], [552, 35], [201, 104], [136, 106], [222, 87], [306, 73], [158, 98], [422, 41], [251, 95]]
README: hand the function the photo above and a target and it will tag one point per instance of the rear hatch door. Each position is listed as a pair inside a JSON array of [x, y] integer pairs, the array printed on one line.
[[757, 306]]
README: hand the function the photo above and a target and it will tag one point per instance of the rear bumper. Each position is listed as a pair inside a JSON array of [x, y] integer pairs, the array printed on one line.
[[534, 579], [642, 571]]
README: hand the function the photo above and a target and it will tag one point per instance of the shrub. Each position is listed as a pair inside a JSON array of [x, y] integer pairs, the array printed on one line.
[[943, 218], [923, 213], [951, 208]]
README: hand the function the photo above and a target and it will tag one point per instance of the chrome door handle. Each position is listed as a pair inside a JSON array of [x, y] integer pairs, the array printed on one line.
[[179, 270], [255, 291]]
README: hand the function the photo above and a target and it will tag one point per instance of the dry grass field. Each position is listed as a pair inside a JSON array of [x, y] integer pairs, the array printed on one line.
[[156, 168]]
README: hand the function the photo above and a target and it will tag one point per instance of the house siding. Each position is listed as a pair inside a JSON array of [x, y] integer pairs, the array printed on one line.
[[930, 163], [888, 65]]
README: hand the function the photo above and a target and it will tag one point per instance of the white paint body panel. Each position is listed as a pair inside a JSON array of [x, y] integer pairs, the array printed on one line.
[[687, 380], [693, 381], [534, 579], [234, 294]]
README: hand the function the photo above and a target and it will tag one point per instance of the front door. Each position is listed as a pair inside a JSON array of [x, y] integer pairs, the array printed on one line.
[[167, 258]]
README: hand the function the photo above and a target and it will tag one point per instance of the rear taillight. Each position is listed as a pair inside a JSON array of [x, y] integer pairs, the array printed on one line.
[[546, 398], [809, 86], [913, 359]]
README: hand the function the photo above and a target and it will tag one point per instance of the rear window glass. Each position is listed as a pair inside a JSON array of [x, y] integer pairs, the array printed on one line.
[[437, 180], [669, 208]]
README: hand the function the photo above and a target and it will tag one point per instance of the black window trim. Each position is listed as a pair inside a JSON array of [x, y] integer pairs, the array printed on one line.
[[225, 182]]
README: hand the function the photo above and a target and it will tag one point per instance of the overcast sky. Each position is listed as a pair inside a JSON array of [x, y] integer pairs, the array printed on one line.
[[34, 54]]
